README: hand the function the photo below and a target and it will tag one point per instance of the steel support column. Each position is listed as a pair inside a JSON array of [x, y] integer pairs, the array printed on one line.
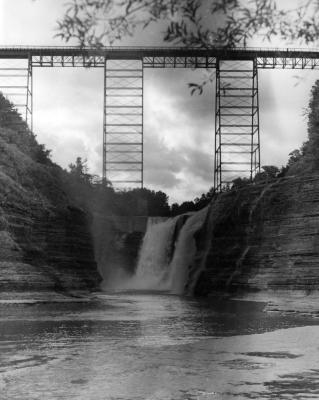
[[237, 149], [123, 123]]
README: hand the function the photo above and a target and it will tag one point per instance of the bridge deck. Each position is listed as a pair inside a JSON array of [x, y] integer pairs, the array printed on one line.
[[134, 52], [118, 53]]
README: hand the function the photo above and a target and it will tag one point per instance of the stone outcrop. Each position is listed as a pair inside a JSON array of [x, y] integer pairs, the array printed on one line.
[[263, 237], [45, 241]]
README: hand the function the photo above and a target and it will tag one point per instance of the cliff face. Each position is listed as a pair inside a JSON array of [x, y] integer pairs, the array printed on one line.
[[45, 242], [263, 237]]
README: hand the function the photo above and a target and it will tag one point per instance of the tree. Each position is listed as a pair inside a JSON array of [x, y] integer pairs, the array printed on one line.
[[205, 199], [201, 23], [239, 183], [80, 171], [295, 156], [269, 173], [186, 206], [42, 155]]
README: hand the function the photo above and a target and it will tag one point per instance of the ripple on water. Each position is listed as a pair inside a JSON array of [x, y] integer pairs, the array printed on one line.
[[15, 362]]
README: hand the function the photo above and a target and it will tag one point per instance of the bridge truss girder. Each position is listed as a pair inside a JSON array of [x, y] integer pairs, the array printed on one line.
[[237, 147]]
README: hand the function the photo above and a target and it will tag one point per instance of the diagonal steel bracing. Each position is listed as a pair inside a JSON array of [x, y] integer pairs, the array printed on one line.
[[237, 148], [123, 123]]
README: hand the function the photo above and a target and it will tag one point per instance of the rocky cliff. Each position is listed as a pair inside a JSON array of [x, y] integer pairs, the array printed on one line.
[[45, 241], [264, 237]]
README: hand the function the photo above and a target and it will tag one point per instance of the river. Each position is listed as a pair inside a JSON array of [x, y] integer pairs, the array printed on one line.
[[154, 346]]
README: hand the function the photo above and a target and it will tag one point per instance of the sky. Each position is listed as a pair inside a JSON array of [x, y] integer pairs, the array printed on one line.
[[178, 127]]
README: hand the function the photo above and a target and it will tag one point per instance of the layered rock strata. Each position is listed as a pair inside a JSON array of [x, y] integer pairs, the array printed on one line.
[[263, 237], [45, 241]]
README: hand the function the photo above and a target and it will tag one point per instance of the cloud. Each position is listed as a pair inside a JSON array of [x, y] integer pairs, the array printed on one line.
[[199, 164], [162, 164], [68, 109]]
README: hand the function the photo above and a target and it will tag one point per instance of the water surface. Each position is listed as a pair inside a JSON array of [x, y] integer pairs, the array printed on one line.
[[155, 346]]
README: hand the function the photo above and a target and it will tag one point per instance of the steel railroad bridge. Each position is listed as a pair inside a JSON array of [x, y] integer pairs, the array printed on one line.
[[237, 135]]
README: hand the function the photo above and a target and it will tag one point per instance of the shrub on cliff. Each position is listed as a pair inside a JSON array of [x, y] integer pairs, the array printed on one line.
[[269, 173]]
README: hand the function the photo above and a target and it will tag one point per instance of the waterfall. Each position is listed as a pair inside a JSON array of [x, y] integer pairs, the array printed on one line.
[[152, 271], [167, 257]]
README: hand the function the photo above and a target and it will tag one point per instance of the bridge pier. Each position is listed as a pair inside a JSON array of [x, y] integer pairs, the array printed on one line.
[[237, 144], [123, 123]]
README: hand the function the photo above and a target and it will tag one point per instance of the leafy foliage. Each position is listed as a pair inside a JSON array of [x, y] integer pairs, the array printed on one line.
[[268, 173], [201, 23], [97, 195], [80, 171], [197, 204], [144, 202], [192, 23]]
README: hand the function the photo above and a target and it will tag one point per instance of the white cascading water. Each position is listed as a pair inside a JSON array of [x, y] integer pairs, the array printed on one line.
[[156, 269], [153, 265]]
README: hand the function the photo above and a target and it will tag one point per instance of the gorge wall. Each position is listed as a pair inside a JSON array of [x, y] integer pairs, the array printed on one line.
[[45, 241], [262, 237], [259, 238]]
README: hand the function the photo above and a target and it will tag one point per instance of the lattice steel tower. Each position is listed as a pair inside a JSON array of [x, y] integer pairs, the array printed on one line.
[[237, 148], [123, 123]]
